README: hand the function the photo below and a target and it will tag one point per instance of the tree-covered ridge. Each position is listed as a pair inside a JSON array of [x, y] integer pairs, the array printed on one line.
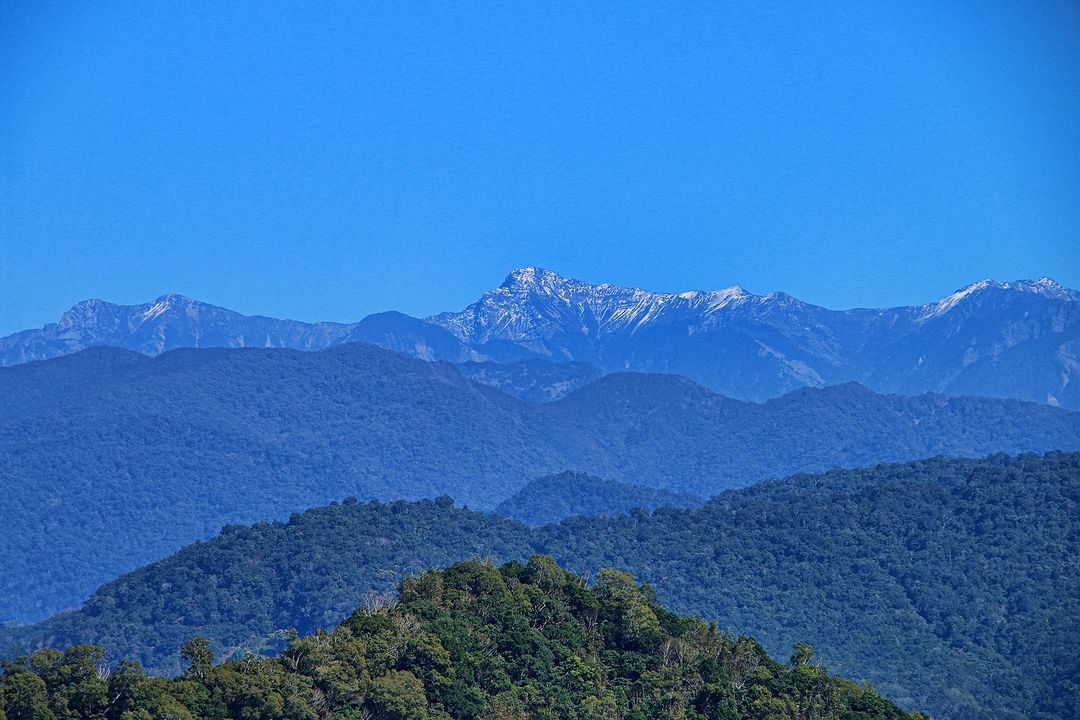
[[554, 497], [950, 584], [471, 642], [110, 460]]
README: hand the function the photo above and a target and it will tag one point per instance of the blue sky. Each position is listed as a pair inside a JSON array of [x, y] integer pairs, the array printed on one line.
[[328, 162]]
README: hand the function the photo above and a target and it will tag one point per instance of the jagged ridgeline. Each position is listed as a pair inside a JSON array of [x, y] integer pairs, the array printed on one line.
[[1003, 339], [472, 641]]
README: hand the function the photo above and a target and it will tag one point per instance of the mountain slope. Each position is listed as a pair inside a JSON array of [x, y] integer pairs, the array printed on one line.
[[110, 460], [122, 472], [469, 642], [533, 379], [947, 583], [552, 498], [709, 442]]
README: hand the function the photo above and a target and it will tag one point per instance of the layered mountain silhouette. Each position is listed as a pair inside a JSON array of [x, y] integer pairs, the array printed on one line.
[[1001, 339], [110, 459]]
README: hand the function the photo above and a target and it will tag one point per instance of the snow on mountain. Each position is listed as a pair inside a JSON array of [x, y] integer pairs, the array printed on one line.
[[533, 302], [169, 322], [1009, 339], [992, 338], [1044, 287]]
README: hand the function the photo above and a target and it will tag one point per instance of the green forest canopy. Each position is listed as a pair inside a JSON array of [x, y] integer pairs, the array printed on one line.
[[948, 583], [470, 642]]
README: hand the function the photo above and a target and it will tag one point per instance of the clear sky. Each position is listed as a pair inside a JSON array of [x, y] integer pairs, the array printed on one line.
[[324, 161]]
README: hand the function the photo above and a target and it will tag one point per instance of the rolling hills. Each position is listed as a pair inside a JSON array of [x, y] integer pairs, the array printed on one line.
[[110, 460], [948, 583]]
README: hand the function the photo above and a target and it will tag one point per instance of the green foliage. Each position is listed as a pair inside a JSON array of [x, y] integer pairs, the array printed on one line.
[[949, 584], [199, 656], [25, 697], [109, 460], [249, 587], [470, 642]]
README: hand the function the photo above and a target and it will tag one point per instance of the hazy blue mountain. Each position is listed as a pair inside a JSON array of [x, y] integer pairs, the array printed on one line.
[[175, 321], [1019, 339], [171, 321], [533, 379], [554, 497], [950, 584], [110, 459], [409, 336]]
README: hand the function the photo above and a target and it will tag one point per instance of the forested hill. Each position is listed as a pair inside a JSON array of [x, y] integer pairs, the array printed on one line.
[[554, 497], [109, 460], [950, 584], [469, 642]]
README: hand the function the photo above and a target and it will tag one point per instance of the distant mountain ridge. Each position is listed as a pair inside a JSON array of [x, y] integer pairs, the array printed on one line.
[[175, 321], [1002, 339]]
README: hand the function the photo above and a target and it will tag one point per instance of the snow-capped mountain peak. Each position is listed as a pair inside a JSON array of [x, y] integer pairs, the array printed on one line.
[[164, 304], [1044, 286], [1015, 339], [532, 277], [534, 303]]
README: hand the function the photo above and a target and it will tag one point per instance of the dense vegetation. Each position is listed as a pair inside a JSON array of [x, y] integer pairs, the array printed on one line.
[[109, 460], [469, 642], [554, 497], [950, 584]]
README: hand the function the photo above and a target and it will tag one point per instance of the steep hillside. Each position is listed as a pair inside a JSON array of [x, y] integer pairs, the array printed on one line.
[[469, 642], [949, 584], [110, 460], [552, 498]]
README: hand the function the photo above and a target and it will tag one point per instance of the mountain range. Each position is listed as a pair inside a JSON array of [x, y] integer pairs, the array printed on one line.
[[110, 459], [1001, 339]]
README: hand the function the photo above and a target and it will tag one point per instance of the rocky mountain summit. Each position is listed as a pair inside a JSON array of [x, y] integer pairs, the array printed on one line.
[[1010, 339]]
